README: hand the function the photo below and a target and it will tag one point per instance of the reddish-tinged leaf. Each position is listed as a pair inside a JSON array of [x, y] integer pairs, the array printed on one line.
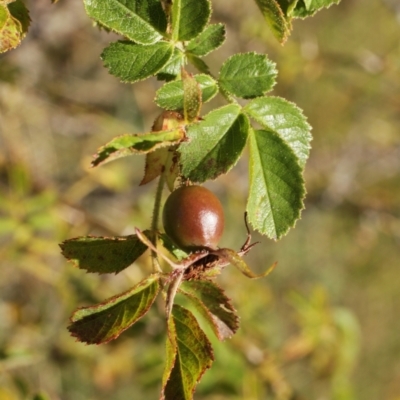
[[189, 355], [14, 24], [211, 301], [126, 145], [106, 321], [162, 160], [233, 258], [103, 254]]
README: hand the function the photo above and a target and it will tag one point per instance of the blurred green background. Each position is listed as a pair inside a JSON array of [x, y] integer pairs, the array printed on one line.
[[324, 326]]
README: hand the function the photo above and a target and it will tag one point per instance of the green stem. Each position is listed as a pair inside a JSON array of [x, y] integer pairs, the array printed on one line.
[[155, 219]]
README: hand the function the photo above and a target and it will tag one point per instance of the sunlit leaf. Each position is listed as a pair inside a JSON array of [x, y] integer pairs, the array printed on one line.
[[287, 7], [189, 18], [133, 62], [166, 161], [307, 8], [189, 355], [142, 21], [103, 254], [213, 304], [275, 18], [233, 258], [214, 144], [286, 119], [106, 321], [168, 244], [170, 96], [14, 24], [276, 184], [209, 40], [163, 160], [126, 145], [191, 97], [247, 75]]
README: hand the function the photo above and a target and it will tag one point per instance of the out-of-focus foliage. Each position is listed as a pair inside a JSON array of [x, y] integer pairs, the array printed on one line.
[[324, 325]]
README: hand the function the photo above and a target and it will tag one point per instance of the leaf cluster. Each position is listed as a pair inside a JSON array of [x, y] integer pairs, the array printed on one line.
[[186, 146], [189, 352], [159, 39]]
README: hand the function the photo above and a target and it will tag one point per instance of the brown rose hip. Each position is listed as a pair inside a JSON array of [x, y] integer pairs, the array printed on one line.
[[193, 218]]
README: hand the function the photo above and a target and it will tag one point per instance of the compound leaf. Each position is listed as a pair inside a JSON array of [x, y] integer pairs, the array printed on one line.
[[189, 355], [106, 321], [214, 144], [126, 145], [209, 40], [276, 184], [170, 96], [189, 18], [142, 21], [286, 119], [217, 309], [133, 62], [247, 75], [103, 254]]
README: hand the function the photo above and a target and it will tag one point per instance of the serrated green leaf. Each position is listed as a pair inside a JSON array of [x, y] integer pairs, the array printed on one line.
[[103, 254], [133, 62], [237, 261], [287, 7], [170, 96], [4, 15], [142, 21], [189, 355], [106, 321], [14, 24], [191, 97], [276, 185], [217, 309], [286, 119], [209, 40], [198, 63], [214, 144], [189, 18], [275, 18], [307, 8], [173, 67], [126, 145], [19, 11], [247, 75]]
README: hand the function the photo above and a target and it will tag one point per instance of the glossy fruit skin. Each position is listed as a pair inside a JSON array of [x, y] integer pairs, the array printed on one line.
[[193, 218]]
